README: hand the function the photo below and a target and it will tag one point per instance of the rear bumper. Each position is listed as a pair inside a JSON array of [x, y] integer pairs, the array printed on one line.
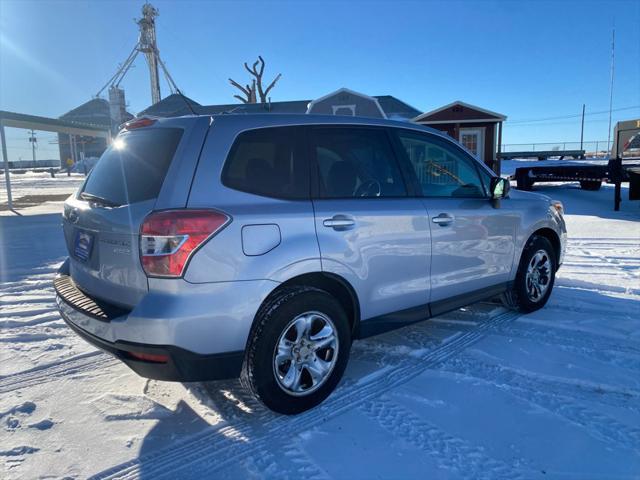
[[181, 365], [201, 329]]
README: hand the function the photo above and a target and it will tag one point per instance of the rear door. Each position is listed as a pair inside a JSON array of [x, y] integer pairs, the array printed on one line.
[[369, 230], [102, 222], [472, 237]]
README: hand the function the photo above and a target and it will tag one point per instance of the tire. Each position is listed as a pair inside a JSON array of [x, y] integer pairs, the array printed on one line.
[[523, 296], [590, 185], [524, 184], [275, 381]]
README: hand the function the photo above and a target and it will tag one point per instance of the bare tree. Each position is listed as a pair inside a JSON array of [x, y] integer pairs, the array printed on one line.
[[250, 91]]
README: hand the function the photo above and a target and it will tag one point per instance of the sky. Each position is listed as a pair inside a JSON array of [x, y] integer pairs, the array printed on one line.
[[529, 60]]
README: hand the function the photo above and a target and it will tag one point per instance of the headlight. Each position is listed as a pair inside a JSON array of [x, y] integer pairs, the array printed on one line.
[[557, 206]]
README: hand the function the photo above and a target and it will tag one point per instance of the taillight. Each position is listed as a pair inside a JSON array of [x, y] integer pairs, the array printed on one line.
[[169, 238], [149, 357], [139, 123]]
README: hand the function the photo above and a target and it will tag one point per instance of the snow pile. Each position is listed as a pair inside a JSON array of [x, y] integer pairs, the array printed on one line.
[[478, 393]]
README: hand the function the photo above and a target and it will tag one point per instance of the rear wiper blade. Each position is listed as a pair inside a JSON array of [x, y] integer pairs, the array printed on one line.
[[99, 200]]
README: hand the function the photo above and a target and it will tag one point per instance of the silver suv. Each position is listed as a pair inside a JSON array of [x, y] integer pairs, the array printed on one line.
[[261, 246]]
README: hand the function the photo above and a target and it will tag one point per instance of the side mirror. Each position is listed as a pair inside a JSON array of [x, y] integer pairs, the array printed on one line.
[[499, 188]]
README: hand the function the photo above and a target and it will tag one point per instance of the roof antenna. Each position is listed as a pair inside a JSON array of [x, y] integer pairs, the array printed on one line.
[[184, 99]]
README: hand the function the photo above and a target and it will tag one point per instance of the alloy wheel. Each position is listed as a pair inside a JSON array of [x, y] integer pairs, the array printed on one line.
[[305, 353], [538, 275]]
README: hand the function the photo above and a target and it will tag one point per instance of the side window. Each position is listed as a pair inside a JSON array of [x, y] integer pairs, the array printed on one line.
[[267, 162], [355, 162], [441, 170]]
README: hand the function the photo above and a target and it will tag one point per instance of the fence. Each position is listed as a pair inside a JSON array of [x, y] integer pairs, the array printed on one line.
[[18, 164], [593, 148]]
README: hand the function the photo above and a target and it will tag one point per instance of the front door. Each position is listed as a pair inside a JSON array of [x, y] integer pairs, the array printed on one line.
[[473, 140], [369, 231], [472, 239]]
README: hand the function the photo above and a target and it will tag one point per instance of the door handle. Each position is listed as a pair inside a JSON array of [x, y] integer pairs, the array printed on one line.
[[443, 219], [339, 222]]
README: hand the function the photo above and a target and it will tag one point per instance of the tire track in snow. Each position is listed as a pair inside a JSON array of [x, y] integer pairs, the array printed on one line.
[[620, 265], [234, 404], [47, 299], [450, 453], [50, 372], [29, 312], [562, 336], [291, 463], [604, 394], [39, 320], [215, 449], [20, 288], [608, 254], [598, 425], [628, 358]]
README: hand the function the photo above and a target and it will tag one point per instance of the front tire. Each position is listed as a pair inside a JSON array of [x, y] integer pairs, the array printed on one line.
[[590, 185], [298, 350], [535, 277], [524, 183]]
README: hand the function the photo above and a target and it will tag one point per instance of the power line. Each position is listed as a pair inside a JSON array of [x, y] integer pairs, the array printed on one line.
[[561, 122], [577, 115]]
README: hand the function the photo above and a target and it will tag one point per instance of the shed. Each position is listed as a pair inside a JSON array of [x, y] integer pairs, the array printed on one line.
[[478, 129], [347, 102]]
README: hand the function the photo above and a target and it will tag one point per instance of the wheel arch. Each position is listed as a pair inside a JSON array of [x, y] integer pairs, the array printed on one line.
[[334, 284], [553, 238]]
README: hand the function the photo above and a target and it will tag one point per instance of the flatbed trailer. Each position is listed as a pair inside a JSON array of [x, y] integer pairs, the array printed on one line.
[[542, 154], [624, 166]]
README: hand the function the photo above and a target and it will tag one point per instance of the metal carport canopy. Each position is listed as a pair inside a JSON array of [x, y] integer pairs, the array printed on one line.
[[22, 120]]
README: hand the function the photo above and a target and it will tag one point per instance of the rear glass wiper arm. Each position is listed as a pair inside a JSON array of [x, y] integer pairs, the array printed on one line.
[[97, 199]]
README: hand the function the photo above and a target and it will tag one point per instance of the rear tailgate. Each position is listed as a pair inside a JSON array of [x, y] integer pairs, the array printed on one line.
[[144, 169]]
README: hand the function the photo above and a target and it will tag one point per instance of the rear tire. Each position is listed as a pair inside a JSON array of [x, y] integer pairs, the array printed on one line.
[[298, 349], [525, 184], [590, 185], [535, 277]]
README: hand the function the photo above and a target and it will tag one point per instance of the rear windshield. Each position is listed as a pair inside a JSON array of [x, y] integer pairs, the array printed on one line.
[[133, 168]]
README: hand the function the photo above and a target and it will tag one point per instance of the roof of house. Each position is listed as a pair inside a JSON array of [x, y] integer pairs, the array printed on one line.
[[95, 111], [459, 111], [174, 105]]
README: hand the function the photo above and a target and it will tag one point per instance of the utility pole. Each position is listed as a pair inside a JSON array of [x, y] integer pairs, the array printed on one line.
[[582, 127], [33, 141], [613, 49], [5, 158]]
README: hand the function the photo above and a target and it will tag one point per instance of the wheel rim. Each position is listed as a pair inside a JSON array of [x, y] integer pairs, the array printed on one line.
[[538, 275], [305, 353]]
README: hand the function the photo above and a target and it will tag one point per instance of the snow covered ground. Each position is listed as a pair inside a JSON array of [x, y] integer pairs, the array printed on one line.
[[50, 192], [478, 393]]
